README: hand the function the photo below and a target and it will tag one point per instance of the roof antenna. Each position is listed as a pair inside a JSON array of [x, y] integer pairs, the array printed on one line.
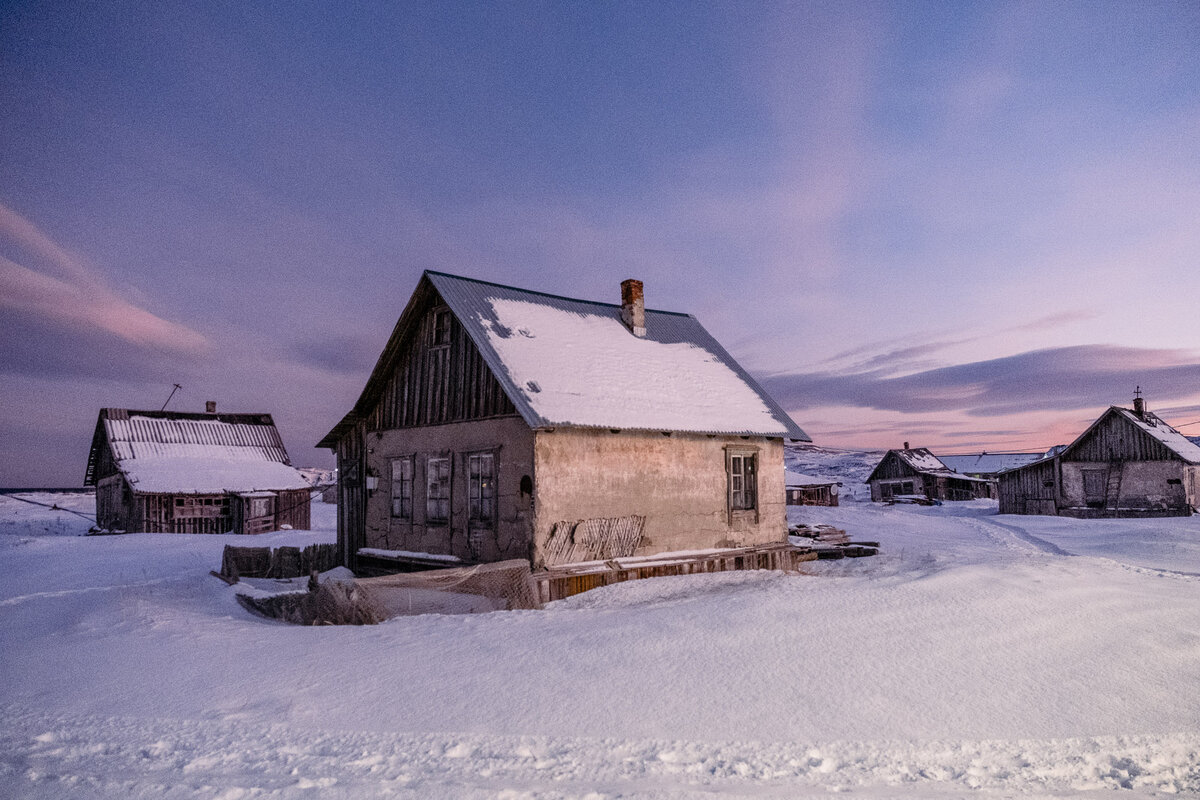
[[172, 394]]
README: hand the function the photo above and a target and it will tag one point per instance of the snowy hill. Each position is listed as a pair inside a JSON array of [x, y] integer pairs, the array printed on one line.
[[977, 655], [851, 467]]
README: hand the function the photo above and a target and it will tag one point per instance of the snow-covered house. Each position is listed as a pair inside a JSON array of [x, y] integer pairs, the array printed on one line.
[[497, 417], [810, 490], [1128, 463], [179, 472], [916, 471]]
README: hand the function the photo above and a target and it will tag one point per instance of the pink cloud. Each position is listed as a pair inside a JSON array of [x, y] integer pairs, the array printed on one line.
[[69, 292]]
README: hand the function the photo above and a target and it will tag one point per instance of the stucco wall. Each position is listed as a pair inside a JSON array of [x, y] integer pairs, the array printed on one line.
[[509, 438], [678, 482], [1143, 484]]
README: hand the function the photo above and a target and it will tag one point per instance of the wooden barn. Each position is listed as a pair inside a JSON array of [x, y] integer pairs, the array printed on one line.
[[1128, 463], [504, 423], [810, 490], [917, 472], [178, 472]]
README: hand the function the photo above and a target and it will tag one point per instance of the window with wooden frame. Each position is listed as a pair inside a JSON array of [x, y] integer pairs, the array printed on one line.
[[437, 490], [203, 507], [402, 487], [742, 468], [439, 331], [481, 489]]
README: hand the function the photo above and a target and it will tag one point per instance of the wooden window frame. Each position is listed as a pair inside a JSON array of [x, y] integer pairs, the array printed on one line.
[[741, 499], [477, 514], [404, 484], [445, 490]]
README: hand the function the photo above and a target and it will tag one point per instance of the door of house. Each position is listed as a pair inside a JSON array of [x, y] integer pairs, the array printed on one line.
[[1094, 482]]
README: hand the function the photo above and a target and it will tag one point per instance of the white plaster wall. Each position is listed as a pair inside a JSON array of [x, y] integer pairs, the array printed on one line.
[[678, 482]]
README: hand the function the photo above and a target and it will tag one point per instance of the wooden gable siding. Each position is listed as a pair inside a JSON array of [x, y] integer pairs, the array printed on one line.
[[893, 467], [1030, 490], [1114, 438], [434, 384], [352, 495]]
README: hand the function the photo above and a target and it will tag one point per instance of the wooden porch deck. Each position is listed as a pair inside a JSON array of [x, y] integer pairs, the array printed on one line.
[[555, 583]]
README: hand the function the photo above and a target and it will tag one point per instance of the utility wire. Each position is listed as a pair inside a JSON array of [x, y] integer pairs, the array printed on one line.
[[54, 507]]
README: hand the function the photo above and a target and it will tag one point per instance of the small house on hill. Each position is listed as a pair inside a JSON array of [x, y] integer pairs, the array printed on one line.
[[1128, 463], [505, 423], [178, 472], [810, 490], [916, 471]]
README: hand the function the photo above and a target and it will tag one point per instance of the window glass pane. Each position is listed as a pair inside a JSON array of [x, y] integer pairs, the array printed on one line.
[[437, 495]]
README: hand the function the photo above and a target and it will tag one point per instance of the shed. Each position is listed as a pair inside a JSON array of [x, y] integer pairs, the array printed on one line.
[[503, 423], [917, 471], [180, 472], [810, 490], [1128, 463]]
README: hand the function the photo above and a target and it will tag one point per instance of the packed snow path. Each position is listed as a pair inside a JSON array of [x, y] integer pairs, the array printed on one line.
[[972, 656]]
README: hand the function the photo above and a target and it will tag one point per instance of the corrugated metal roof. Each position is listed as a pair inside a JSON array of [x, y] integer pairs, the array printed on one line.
[[474, 303], [178, 452], [988, 463]]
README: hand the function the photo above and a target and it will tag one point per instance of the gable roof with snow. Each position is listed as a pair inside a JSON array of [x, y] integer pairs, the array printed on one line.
[[572, 363], [172, 452], [917, 459], [1149, 424]]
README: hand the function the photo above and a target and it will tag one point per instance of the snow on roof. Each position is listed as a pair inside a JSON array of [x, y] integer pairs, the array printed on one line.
[[988, 463], [920, 459], [1175, 441], [171, 453], [574, 363], [800, 479]]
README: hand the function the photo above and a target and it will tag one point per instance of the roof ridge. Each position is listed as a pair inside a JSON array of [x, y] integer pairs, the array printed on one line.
[[550, 295]]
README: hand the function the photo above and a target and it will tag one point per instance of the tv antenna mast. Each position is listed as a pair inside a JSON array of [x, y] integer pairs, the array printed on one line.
[[172, 394]]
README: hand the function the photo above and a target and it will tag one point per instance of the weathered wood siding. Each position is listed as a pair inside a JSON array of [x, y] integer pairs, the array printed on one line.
[[1030, 490], [435, 383], [1115, 439], [352, 494], [893, 467]]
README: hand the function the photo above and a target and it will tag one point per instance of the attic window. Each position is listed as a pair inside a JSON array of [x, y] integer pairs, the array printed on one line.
[[439, 333]]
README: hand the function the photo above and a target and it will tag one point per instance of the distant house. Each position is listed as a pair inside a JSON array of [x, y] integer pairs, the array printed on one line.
[[178, 472], [505, 423], [1128, 463], [916, 471], [810, 490]]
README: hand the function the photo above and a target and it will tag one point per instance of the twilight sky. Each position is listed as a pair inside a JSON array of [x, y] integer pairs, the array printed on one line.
[[966, 225]]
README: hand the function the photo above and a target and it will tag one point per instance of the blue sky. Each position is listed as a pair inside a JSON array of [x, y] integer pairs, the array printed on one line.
[[967, 225]]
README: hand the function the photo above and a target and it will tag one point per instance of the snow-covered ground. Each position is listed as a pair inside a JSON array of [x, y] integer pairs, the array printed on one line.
[[978, 655]]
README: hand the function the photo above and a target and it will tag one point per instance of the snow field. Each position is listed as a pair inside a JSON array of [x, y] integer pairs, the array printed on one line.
[[976, 656]]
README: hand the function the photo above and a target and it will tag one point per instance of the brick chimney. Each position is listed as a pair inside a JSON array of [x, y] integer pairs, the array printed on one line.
[[1139, 403], [210, 406], [906, 445], [633, 309]]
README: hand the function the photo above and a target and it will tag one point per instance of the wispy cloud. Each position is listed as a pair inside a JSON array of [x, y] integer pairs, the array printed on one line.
[[1058, 379], [62, 290]]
